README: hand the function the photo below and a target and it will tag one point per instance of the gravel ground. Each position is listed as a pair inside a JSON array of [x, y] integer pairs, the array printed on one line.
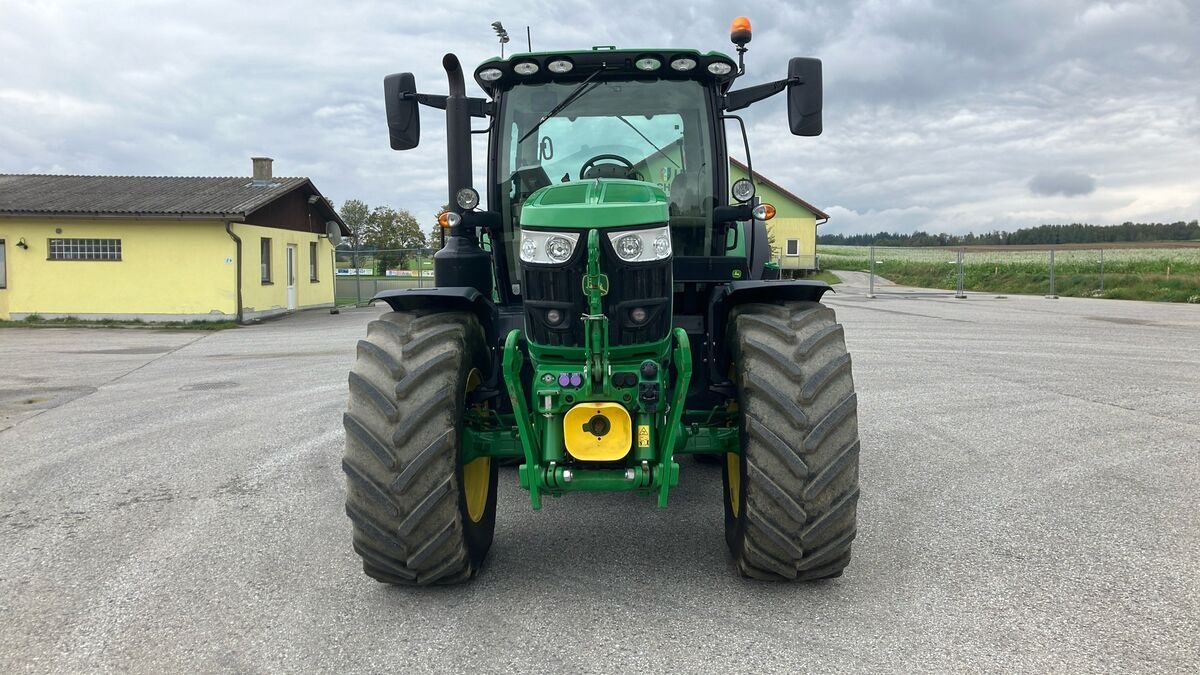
[[173, 502]]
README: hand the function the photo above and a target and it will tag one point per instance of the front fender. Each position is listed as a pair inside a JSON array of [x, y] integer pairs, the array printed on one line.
[[449, 299]]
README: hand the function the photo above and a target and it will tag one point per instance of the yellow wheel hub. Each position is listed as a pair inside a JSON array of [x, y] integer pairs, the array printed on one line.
[[477, 478], [477, 474], [733, 466]]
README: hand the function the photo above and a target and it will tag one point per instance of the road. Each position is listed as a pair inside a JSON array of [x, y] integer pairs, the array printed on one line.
[[172, 501]]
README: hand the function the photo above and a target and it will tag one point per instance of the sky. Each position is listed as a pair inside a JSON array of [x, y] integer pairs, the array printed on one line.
[[941, 116]]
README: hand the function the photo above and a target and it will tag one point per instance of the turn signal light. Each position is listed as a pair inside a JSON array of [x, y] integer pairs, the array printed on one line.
[[764, 212]]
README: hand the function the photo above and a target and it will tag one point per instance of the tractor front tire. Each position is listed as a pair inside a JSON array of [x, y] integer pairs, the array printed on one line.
[[791, 494], [420, 516]]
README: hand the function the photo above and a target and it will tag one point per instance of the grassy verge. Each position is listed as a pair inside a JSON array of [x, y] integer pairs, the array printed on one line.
[[826, 276], [1163, 276], [35, 321]]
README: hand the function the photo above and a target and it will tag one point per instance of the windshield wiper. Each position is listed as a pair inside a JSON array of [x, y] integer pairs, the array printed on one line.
[[660, 150], [576, 93]]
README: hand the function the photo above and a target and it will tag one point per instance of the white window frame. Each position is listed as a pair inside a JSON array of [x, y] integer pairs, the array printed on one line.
[[793, 247], [264, 253], [83, 249]]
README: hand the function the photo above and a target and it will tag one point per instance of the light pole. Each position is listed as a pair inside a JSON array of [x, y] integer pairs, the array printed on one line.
[[502, 34]]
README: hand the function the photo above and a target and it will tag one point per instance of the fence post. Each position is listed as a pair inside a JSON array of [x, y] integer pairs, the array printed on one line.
[[871, 290], [1053, 295], [960, 293], [1102, 270], [420, 271], [357, 279]]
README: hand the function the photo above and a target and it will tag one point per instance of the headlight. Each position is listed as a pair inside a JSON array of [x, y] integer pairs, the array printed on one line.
[[525, 68], [629, 247], [743, 190], [547, 248], [648, 63], [467, 198], [490, 74], [720, 68], [559, 249], [642, 245]]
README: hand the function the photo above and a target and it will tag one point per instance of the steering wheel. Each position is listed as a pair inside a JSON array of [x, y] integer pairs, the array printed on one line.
[[593, 165]]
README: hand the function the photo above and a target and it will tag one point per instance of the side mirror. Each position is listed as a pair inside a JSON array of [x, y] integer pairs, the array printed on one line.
[[404, 122], [804, 96], [732, 213]]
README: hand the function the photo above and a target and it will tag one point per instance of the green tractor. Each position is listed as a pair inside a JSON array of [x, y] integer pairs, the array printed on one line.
[[605, 312]]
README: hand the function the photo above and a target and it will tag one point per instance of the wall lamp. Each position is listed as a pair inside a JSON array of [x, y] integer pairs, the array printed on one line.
[[22, 245]]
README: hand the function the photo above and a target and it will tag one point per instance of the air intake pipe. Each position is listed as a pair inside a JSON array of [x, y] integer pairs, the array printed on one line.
[[460, 262]]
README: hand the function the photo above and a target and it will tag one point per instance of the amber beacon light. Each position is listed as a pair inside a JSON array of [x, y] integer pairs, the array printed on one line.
[[739, 31]]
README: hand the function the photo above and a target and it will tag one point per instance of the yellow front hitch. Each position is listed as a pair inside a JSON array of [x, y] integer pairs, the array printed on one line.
[[598, 432]]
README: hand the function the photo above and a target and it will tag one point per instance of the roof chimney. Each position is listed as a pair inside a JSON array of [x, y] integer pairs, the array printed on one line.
[[262, 169]]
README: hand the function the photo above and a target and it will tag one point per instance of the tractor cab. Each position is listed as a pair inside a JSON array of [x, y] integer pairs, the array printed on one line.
[[609, 114]]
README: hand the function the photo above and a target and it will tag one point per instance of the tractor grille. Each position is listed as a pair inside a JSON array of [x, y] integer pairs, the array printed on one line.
[[645, 285], [555, 288]]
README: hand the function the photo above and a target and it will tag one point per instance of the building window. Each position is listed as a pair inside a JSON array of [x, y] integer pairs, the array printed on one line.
[[3, 267], [265, 267], [793, 247], [312, 261], [84, 249]]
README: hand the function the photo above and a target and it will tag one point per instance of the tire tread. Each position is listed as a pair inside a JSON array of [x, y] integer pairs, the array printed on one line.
[[800, 481]]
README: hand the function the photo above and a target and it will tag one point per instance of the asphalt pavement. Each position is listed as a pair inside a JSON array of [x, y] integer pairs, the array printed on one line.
[[172, 502]]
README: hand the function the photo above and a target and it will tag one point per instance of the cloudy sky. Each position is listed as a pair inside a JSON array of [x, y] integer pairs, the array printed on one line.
[[949, 116]]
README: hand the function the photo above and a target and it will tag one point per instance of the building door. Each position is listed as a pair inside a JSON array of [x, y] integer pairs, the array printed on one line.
[[291, 276]]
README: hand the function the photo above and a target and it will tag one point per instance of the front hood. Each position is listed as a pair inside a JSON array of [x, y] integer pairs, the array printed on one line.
[[595, 203]]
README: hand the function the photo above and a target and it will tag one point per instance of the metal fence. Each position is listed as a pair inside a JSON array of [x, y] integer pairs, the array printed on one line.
[[1159, 271], [361, 274]]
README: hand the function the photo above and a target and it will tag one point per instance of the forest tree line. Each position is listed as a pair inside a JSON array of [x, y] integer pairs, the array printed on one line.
[[1075, 233]]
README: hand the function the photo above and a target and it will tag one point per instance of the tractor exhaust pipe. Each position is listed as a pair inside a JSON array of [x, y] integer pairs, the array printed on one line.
[[458, 132], [460, 263]]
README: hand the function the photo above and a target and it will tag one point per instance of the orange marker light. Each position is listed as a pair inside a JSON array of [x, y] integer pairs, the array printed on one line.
[[444, 219], [764, 211], [739, 31]]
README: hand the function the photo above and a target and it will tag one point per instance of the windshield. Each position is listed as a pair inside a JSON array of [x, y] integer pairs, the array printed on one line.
[[658, 132]]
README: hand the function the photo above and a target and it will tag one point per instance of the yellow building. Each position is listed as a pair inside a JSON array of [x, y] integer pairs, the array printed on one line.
[[165, 248], [793, 230]]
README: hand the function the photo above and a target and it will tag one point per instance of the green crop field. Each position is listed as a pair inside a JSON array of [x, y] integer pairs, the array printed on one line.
[[1170, 274]]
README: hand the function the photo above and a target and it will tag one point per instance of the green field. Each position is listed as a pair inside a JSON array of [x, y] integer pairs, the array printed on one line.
[[1142, 273]]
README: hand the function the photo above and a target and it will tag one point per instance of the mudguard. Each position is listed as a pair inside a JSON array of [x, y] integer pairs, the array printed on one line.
[[451, 298], [740, 292]]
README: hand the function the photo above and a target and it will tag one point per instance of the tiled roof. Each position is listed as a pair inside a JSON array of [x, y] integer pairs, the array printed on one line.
[[166, 196], [779, 188]]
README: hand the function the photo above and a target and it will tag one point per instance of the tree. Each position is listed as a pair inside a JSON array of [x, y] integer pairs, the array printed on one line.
[[394, 234], [437, 234], [355, 213], [435, 237]]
